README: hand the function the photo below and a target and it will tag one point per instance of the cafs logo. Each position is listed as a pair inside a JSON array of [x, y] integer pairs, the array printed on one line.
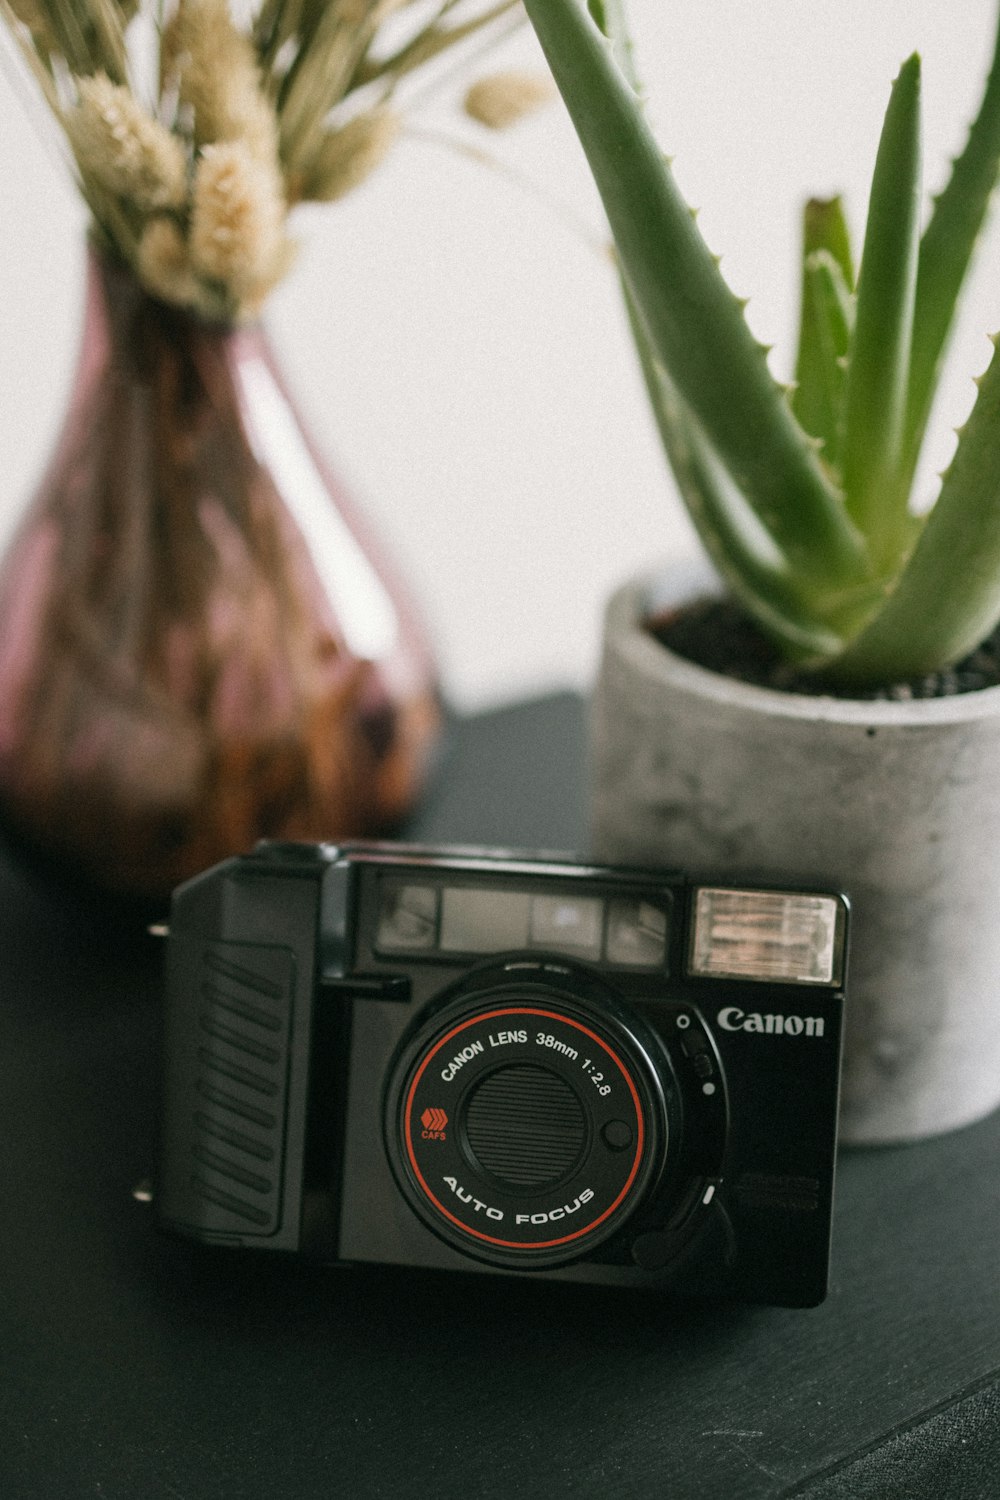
[[734, 1019]]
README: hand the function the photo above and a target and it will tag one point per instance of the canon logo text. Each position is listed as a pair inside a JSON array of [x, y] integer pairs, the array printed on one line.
[[734, 1019]]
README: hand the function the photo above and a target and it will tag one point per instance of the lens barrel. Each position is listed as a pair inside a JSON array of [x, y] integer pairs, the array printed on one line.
[[524, 1124]]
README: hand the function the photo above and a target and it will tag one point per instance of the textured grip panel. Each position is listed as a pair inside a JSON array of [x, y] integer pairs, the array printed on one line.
[[230, 1008]]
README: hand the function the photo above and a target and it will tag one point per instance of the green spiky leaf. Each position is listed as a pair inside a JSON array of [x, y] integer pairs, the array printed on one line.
[[820, 373], [700, 336], [610, 17], [755, 574], [824, 227], [878, 370], [826, 319], [946, 251], [948, 597]]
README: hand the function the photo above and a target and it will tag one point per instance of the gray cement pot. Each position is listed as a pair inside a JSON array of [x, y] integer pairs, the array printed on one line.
[[896, 803]]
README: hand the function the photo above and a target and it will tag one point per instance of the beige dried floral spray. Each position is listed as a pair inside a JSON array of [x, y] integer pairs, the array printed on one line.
[[238, 239], [214, 67], [502, 99], [256, 108], [123, 149], [346, 157], [164, 263]]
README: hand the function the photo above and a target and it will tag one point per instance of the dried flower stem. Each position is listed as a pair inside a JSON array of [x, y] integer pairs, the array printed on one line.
[[345, 157], [110, 34], [321, 78], [435, 39], [597, 243], [33, 59]]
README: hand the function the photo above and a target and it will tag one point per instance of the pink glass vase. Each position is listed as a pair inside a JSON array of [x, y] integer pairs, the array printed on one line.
[[200, 644]]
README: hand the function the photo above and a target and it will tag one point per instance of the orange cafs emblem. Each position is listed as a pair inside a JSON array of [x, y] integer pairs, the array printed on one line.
[[434, 1122]]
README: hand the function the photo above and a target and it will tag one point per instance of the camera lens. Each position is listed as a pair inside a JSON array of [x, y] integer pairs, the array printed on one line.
[[524, 1126], [525, 1123]]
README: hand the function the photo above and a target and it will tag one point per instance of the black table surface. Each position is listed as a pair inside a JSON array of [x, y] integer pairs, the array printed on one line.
[[135, 1367]]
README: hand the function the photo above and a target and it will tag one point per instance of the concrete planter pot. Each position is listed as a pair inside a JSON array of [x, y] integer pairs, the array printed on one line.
[[896, 803]]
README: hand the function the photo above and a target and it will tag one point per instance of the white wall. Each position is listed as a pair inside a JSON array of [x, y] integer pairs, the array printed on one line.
[[462, 354]]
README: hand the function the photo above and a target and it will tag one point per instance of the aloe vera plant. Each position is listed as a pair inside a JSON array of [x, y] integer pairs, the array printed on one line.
[[802, 495]]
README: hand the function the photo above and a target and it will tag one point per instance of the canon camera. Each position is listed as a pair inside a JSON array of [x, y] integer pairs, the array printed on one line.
[[486, 1062]]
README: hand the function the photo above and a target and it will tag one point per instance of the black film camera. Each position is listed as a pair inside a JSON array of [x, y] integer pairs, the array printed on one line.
[[479, 1061]]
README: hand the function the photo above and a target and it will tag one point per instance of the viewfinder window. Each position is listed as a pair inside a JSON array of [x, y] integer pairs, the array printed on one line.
[[637, 934], [407, 917], [484, 921], [569, 924]]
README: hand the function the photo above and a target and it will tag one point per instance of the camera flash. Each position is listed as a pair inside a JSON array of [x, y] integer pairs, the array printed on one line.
[[766, 935]]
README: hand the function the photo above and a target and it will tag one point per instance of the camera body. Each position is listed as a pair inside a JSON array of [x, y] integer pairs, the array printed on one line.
[[481, 1061]]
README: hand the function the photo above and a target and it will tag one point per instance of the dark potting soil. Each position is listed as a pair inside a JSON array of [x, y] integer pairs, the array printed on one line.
[[715, 634]]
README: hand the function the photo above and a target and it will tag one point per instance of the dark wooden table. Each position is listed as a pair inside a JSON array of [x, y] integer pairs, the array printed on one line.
[[133, 1367]]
